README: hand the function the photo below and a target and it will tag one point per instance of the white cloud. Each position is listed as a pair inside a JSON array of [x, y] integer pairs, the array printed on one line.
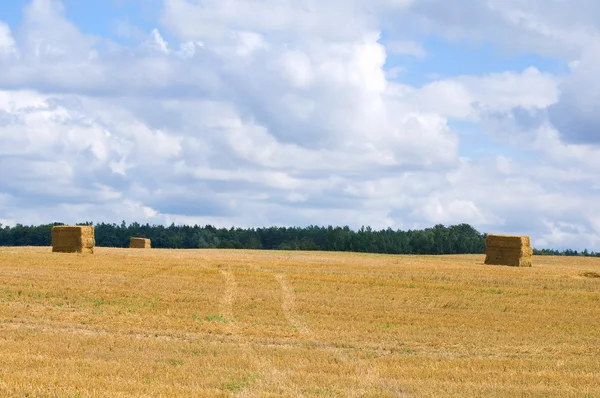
[[467, 97], [394, 72], [549, 28], [7, 42], [333, 20], [407, 47], [158, 42], [280, 112], [576, 113]]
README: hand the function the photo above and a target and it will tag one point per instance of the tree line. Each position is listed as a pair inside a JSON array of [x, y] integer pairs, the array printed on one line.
[[440, 239]]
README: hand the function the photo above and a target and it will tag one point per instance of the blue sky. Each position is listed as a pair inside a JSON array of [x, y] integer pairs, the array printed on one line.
[[100, 18], [401, 114], [448, 58]]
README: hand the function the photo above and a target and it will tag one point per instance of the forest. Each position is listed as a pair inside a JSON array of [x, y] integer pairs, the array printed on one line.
[[440, 239]]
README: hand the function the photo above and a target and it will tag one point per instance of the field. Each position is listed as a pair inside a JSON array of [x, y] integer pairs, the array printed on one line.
[[126, 322]]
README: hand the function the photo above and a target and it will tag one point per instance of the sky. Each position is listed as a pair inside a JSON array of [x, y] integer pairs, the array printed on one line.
[[249, 113]]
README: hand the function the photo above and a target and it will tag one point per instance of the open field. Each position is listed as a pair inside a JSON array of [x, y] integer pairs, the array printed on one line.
[[128, 322]]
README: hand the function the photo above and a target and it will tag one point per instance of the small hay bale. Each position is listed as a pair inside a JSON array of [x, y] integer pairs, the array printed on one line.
[[514, 251], [139, 243], [73, 239]]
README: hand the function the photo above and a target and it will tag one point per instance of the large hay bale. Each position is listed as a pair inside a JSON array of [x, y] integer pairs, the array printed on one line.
[[73, 239], [508, 250], [139, 243]]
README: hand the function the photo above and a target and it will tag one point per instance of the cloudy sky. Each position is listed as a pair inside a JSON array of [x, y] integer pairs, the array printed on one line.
[[388, 113]]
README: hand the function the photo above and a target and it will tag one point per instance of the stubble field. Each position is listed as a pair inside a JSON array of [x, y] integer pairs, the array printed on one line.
[[128, 322]]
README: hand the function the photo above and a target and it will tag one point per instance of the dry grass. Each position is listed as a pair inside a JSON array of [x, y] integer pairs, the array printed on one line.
[[255, 323]]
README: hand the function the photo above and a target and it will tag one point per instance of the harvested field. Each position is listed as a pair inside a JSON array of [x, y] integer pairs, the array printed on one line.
[[256, 323]]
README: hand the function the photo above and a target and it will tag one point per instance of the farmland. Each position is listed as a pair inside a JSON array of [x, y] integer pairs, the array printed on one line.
[[210, 322]]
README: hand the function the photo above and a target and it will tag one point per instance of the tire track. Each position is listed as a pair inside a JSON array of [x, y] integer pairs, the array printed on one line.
[[288, 304], [367, 376], [268, 371], [227, 300]]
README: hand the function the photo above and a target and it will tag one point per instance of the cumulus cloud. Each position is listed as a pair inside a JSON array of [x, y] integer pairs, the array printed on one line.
[[280, 112], [407, 47], [553, 28], [576, 114], [7, 42], [289, 21], [470, 97], [54, 56], [346, 124]]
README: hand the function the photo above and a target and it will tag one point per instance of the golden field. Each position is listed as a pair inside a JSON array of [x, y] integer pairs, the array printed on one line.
[[126, 322]]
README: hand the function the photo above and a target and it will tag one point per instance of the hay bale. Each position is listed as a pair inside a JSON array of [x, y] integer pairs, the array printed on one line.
[[73, 239], [139, 243], [514, 251]]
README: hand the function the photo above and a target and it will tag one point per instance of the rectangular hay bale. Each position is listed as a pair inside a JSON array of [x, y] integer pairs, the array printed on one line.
[[139, 243], [508, 250], [73, 239]]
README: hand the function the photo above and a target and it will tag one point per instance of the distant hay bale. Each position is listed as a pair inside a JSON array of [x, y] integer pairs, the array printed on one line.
[[73, 239], [139, 243], [514, 251]]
